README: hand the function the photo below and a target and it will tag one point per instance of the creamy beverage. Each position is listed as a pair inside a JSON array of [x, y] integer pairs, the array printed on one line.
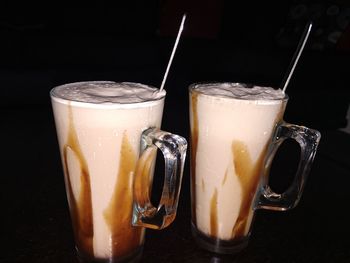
[[231, 127], [99, 127]]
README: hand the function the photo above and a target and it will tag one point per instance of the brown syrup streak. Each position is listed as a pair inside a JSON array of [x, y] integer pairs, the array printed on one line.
[[214, 214], [194, 143], [248, 175], [225, 178], [118, 214], [81, 209]]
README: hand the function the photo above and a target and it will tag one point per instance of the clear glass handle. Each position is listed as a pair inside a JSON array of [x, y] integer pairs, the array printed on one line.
[[174, 149], [308, 140]]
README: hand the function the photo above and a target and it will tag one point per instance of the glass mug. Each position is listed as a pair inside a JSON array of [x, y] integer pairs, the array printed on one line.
[[108, 150], [233, 143]]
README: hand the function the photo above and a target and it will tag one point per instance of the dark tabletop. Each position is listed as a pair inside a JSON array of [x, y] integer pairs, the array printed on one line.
[[35, 218]]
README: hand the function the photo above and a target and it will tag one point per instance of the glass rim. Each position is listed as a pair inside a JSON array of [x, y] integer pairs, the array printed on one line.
[[80, 103], [193, 86]]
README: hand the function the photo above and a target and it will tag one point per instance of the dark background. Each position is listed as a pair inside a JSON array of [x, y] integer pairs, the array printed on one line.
[[44, 45]]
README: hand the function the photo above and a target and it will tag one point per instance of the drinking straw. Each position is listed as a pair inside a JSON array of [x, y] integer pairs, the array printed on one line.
[[296, 56], [173, 52]]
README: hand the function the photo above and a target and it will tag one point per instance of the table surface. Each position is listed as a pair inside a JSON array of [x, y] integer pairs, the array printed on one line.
[[36, 225]]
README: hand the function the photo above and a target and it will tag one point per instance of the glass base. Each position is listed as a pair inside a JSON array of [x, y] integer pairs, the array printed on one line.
[[131, 258], [218, 245]]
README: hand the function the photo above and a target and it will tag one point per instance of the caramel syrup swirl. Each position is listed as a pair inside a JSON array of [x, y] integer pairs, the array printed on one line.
[[225, 178], [125, 238], [214, 214], [194, 143], [81, 208], [248, 174]]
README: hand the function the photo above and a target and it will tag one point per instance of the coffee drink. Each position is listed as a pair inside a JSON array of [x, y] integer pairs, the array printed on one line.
[[232, 126], [99, 127], [236, 130]]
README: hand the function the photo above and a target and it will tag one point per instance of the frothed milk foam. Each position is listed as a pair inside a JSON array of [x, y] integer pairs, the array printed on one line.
[[99, 125], [231, 126]]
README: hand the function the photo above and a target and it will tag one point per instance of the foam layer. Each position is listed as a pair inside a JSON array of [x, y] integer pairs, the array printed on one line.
[[240, 91], [107, 92]]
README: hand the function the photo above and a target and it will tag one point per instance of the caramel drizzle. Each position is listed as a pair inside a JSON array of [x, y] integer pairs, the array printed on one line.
[[225, 178], [118, 215], [81, 209], [194, 143], [203, 185], [248, 175], [214, 214]]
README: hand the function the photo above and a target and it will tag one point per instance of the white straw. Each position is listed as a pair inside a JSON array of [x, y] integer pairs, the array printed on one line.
[[173, 52], [297, 55]]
